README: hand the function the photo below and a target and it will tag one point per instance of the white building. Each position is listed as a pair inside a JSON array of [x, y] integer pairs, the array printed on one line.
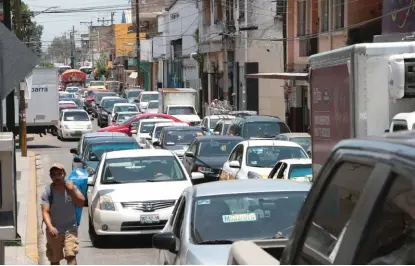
[[175, 43], [262, 56]]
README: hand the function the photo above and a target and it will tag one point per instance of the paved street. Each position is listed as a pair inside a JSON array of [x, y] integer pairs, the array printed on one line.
[[133, 250]]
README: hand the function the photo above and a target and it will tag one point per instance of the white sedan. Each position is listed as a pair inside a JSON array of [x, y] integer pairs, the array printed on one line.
[[144, 127], [152, 107], [294, 169], [73, 123], [253, 158], [122, 107], [133, 192]]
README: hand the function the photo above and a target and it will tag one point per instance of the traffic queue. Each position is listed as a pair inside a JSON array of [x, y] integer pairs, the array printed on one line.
[[156, 168]]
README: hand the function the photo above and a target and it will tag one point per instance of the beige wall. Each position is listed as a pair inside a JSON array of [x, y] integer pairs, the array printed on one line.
[[271, 93]]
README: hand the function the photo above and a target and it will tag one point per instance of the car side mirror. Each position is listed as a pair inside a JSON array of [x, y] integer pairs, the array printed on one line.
[[165, 241], [136, 101], [77, 159], [156, 143], [234, 164], [148, 137], [90, 180], [133, 131], [189, 154], [197, 175], [74, 151]]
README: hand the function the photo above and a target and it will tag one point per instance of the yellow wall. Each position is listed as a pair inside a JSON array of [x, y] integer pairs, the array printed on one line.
[[123, 40]]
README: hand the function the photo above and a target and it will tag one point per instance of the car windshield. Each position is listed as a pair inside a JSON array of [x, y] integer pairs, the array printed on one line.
[[150, 97], [245, 216], [142, 169], [180, 137], [181, 110], [146, 127], [90, 93], [75, 116], [153, 105], [306, 141], [268, 129], [97, 150], [109, 104], [66, 96], [214, 148], [133, 94], [72, 90], [124, 117], [300, 170], [99, 96], [213, 122], [96, 83], [267, 156], [125, 108]]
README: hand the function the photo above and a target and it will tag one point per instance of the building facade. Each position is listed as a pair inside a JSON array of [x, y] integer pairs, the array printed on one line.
[[315, 26], [174, 45]]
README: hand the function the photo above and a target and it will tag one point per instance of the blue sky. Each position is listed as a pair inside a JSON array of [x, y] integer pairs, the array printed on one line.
[[57, 24]]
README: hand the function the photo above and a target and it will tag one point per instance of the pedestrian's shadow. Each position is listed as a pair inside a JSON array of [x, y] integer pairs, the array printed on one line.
[[128, 242]]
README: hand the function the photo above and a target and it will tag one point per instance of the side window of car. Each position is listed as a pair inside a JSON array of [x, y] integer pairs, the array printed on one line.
[[179, 218], [79, 145], [238, 130], [333, 211], [231, 130], [390, 231], [277, 166], [240, 154], [193, 146], [174, 212], [234, 153], [218, 128]]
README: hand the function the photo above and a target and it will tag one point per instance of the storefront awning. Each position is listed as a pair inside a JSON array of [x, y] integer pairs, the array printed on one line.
[[286, 76], [133, 75]]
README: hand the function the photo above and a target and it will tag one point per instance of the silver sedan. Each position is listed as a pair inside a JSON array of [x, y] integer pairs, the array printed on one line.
[[208, 218]]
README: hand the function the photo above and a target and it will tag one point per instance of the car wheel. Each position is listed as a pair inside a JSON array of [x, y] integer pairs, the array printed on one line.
[[97, 240]]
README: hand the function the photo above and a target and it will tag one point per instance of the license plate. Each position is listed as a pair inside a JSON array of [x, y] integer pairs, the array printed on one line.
[[149, 219]]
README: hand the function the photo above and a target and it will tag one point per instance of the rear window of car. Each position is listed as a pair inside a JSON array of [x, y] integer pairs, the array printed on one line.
[[264, 129]]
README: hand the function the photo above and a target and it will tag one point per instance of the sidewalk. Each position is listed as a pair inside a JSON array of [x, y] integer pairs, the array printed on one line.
[[27, 253]]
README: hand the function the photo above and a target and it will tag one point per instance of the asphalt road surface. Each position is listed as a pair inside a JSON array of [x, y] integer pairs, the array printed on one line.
[[129, 250]]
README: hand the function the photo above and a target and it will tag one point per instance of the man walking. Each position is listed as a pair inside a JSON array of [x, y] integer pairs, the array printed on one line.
[[58, 210]]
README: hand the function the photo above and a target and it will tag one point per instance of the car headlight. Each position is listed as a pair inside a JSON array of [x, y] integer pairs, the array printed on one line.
[[105, 203], [253, 175], [205, 170], [66, 126]]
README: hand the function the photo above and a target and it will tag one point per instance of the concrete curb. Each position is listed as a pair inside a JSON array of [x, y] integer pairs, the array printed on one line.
[[41, 243], [31, 246]]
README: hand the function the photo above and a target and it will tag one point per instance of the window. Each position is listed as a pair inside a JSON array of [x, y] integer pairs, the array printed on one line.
[[281, 8], [174, 212], [338, 14], [218, 11], [266, 156], [301, 17], [389, 238], [179, 220], [237, 154], [193, 146], [399, 125], [334, 210], [206, 12], [218, 128], [324, 15]]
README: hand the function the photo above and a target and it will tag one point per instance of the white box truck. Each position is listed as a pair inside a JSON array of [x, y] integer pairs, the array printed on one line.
[[180, 103], [357, 91], [42, 101]]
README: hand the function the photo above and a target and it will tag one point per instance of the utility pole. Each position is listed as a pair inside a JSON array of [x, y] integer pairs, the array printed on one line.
[[72, 36], [91, 47], [225, 52], [137, 21], [113, 37], [22, 101], [10, 108]]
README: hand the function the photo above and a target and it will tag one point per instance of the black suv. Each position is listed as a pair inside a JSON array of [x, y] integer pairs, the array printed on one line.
[[360, 209], [257, 126], [106, 108]]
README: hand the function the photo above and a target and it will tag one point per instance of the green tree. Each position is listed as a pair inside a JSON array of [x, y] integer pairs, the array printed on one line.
[[31, 32], [101, 67]]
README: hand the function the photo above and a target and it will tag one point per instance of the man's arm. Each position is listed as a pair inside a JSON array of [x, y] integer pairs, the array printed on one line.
[[45, 204], [77, 198]]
